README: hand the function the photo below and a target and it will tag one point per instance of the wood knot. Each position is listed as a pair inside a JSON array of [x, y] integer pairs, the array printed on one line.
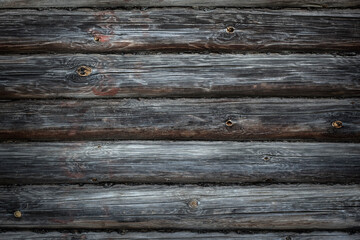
[[230, 29], [266, 158], [83, 71], [337, 124], [194, 203], [17, 214], [229, 123]]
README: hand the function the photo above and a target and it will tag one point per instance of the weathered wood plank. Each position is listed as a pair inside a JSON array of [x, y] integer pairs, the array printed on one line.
[[319, 235], [197, 119], [179, 162], [177, 3], [172, 75], [178, 29], [274, 207]]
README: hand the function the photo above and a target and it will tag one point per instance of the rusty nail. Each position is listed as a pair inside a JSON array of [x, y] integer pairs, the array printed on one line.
[[230, 29], [194, 203], [337, 124], [94, 179], [97, 39], [17, 214], [229, 123], [84, 71]]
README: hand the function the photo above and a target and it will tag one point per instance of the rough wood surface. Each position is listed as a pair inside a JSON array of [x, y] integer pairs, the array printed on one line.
[[177, 3], [178, 29], [319, 235], [188, 207], [185, 75], [197, 119], [179, 162]]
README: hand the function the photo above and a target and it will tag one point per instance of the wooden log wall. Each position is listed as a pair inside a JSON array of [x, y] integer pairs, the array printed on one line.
[[185, 119]]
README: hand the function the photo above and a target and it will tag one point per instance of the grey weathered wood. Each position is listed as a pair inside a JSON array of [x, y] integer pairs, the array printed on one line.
[[177, 3], [197, 119], [179, 162], [182, 235], [178, 29], [188, 207], [190, 75]]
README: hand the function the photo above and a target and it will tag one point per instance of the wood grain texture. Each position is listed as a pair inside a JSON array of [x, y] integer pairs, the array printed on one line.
[[196, 119], [188, 207], [179, 162], [185, 75], [319, 235], [177, 3], [179, 29]]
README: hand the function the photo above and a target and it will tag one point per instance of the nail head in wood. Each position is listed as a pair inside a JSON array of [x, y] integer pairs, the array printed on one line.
[[17, 214], [194, 203], [96, 39], [337, 124], [84, 71], [230, 29]]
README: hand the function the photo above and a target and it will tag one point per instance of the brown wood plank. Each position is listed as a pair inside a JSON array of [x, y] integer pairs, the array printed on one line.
[[183, 235], [179, 29], [197, 119], [185, 75], [177, 3], [179, 162], [188, 207]]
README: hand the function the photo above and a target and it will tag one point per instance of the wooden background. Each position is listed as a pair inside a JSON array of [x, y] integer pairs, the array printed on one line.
[[184, 119]]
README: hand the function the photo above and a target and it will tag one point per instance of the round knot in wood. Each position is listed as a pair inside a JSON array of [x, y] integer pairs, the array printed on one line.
[[337, 124], [194, 203], [17, 214], [84, 71], [230, 29], [229, 123]]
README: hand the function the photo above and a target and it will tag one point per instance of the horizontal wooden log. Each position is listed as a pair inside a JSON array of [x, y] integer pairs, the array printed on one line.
[[14, 235], [274, 207], [172, 75], [179, 29], [197, 119], [177, 3], [179, 162]]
